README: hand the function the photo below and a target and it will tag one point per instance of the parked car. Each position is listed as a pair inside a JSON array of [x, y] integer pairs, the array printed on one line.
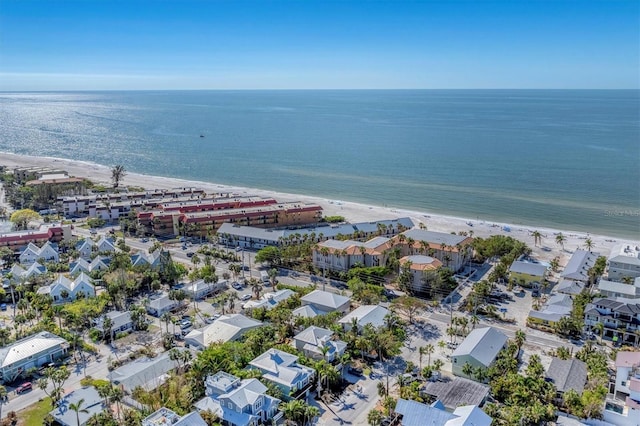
[[185, 324], [145, 240], [356, 371], [245, 297], [27, 386], [237, 286], [238, 248], [190, 254], [3, 307]]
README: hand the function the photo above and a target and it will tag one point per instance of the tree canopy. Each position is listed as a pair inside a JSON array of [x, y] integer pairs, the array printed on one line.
[[21, 218]]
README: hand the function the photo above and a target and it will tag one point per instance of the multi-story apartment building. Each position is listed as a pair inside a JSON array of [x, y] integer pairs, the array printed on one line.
[[620, 318], [624, 408]]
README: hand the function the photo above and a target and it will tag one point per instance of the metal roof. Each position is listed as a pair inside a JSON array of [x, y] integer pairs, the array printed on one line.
[[366, 314], [32, 345], [435, 237], [535, 269], [325, 298], [482, 344], [579, 264]]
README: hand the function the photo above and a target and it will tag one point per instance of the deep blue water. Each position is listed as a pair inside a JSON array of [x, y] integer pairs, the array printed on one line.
[[568, 159]]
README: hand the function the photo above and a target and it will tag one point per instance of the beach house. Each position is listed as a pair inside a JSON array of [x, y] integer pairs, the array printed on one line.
[[319, 343], [89, 401], [283, 370], [239, 402], [148, 373], [623, 407], [557, 307], [32, 253], [160, 305], [624, 262], [619, 317], [479, 349], [527, 274], [166, 417], [614, 289], [324, 302], [363, 315], [65, 290], [567, 374], [575, 276], [227, 328], [30, 352], [413, 413]]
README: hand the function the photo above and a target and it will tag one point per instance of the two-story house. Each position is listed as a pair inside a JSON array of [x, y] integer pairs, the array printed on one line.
[[64, 290], [318, 343], [282, 369], [624, 408], [238, 402], [32, 253], [620, 318]]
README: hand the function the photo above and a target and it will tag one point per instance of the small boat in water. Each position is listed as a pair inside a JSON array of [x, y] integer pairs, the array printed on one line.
[[202, 136]]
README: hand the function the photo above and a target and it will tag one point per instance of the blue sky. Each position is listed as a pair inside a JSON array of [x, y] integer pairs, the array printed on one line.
[[186, 44]]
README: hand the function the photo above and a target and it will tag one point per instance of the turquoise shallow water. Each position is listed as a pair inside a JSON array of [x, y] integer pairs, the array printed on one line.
[[564, 159]]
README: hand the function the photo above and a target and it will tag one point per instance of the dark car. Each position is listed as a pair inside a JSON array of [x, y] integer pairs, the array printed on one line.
[[190, 254], [356, 371], [3, 307], [27, 386]]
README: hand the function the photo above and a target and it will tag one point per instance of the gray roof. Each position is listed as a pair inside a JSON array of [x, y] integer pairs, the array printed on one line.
[[161, 302], [325, 298], [145, 372], [166, 417], [434, 237], [415, 414], [92, 403], [570, 286], [482, 344], [314, 335], [630, 290], [306, 311], [457, 392], [366, 314], [568, 374], [535, 269], [546, 315], [579, 264], [118, 319]]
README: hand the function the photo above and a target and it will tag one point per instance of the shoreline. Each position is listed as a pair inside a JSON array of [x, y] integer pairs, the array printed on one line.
[[352, 211]]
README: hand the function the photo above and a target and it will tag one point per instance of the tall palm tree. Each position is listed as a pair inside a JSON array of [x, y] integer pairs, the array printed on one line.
[[117, 173], [588, 244], [600, 328], [467, 369], [560, 240], [537, 237], [77, 407], [428, 349]]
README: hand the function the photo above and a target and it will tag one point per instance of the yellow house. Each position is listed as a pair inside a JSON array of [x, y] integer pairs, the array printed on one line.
[[526, 273]]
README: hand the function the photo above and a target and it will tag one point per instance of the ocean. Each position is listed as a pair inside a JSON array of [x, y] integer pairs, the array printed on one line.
[[567, 159]]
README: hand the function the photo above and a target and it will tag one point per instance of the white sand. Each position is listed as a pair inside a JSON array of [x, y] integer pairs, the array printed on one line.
[[353, 212]]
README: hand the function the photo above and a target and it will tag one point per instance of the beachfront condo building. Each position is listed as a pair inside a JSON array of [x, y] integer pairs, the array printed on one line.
[[624, 263], [21, 239]]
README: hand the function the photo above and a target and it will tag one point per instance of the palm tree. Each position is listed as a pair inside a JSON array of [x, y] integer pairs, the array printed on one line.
[[256, 288], [467, 369], [537, 238], [374, 418], [560, 240], [117, 173], [588, 244], [600, 328], [520, 338], [77, 407]]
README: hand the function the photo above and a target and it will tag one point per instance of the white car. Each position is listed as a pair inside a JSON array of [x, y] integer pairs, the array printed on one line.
[[245, 297]]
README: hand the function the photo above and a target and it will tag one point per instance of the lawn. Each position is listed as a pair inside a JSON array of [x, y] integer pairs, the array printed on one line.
[[35, 413]]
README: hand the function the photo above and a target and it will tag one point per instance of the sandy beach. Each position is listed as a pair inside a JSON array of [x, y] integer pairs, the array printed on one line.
[[353, 212]]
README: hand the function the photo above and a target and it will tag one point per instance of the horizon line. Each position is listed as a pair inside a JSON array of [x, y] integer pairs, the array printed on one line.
[[310, 89]]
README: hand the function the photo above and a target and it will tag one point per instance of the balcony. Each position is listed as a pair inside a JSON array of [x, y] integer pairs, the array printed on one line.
[[300, 392]]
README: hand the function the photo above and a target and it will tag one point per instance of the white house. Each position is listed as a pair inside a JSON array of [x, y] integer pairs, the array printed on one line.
[[616, 289], [325, 302], [575, 275], [624, 408], [365, 314], [201, 289], [148, 373], [624, 262], [81, 284], [224, 329], [269, 300], [239, 402], [318, 343], [142, 258], [31, 352], [32, 253], [105, 245], [282, 369], [99, 263], [85, 248], [479, 349]]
